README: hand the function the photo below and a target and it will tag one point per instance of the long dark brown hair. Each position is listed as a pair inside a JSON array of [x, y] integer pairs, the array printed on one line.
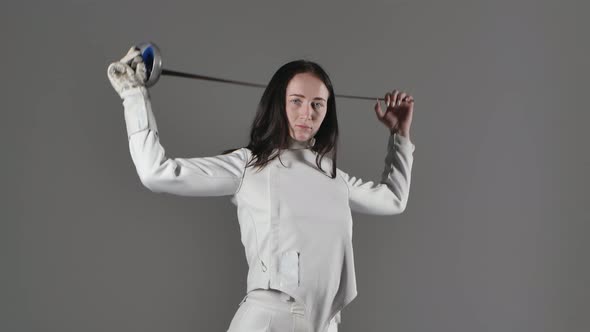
[[270, 128]]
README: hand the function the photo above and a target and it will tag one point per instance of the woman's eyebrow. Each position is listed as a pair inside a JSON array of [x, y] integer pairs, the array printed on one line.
[[298, 95]]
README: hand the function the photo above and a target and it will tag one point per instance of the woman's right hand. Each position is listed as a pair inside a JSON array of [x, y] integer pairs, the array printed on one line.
[[127, 73]]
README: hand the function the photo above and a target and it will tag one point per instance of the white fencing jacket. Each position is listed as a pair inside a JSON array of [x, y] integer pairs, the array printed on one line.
[[295, 221]]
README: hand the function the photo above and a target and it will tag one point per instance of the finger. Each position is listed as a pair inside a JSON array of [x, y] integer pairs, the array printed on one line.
[[401, 97], [116, 68], [122, 68], [394, 94], [141, 72], [132, 50], [387, 99], [130, 55], [135, 61], [129, 72], [141, 67], [111, 70], [378, 109]]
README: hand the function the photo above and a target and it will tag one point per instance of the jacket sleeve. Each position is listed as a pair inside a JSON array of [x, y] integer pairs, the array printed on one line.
[[205, 176], [390, 195]]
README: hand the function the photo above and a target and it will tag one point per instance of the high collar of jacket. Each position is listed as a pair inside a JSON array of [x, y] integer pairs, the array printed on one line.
[[298, 145]]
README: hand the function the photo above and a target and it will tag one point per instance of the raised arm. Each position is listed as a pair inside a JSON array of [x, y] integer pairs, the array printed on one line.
[[390, 195], [205, 176]]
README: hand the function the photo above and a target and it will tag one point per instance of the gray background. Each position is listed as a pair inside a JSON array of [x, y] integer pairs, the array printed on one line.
[[494, 235]]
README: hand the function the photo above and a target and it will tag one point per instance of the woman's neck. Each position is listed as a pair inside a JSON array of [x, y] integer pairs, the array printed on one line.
[[295, 144]]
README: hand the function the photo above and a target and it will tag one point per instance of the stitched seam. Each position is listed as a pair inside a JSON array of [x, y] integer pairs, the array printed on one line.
[[346, 183], [272, 314], [243, 171]]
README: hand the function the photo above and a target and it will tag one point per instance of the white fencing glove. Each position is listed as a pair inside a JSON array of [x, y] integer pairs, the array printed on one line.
[[127, 73]]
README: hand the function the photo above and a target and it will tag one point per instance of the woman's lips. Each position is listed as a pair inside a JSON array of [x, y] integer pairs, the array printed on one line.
[[303, 126]]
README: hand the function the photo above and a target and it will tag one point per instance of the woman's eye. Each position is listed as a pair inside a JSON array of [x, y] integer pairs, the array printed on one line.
[[317, 105]]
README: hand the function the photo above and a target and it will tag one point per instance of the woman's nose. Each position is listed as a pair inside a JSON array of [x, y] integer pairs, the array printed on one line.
[[307, 110]]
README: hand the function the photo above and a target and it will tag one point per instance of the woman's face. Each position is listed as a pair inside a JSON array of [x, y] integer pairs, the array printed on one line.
[[307, 102]]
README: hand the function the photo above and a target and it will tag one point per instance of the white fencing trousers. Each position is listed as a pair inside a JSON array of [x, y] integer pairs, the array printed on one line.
[[270, 310]]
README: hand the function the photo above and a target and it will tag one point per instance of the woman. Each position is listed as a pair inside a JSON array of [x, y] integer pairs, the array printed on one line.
[[293, 204]]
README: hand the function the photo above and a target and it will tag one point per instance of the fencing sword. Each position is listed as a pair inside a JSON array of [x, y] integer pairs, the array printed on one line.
[[152, 57]]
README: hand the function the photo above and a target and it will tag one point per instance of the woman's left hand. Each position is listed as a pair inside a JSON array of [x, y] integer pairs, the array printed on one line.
[[398, 115]]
